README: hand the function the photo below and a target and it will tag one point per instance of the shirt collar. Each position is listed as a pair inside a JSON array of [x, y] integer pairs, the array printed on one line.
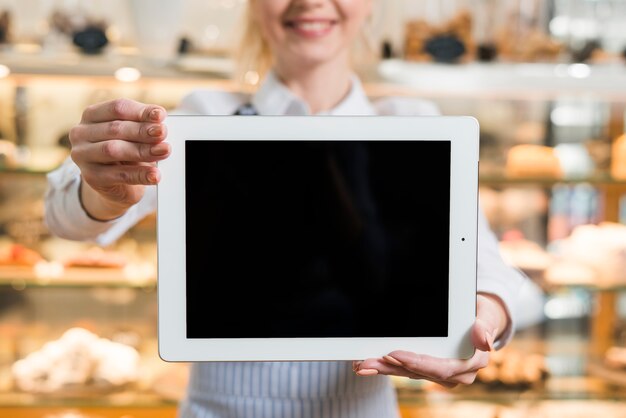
[[274, 98]]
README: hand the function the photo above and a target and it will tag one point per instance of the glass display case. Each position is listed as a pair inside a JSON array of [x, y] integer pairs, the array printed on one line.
[[551, 136], [63, 302], [50, 288]]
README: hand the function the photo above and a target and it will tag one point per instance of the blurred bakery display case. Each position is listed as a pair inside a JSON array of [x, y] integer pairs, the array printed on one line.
[[551, 105], [71, 312], [547, 83], [78, 321], [525, 31]]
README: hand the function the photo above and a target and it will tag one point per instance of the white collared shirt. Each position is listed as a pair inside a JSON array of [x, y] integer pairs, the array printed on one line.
[[312, 389], [274, 98]]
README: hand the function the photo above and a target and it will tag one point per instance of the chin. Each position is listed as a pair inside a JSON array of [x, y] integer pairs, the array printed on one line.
[[314, 56]]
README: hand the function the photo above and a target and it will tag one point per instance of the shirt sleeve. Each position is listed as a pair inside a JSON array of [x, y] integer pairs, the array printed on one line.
[[66, 218], [496, 277], [64, 214]]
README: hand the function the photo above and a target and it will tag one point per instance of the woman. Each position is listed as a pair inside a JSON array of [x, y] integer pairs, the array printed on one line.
[[103, 192]]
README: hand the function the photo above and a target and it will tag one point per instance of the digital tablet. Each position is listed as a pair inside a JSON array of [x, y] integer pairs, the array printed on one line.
[[284, 238]]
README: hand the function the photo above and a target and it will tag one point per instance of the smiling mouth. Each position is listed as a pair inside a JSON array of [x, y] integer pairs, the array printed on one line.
[[311, 27]]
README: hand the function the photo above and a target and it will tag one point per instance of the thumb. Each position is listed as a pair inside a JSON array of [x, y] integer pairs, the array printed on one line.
[[483, 335]]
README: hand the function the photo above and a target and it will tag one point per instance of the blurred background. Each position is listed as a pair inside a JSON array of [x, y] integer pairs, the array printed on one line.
[[546, 80]]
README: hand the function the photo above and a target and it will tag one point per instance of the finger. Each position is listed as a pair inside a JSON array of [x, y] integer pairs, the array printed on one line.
[[491, 318], [465, 378], [479, 361], [440, 368], [118, 129], [381, 367], [367, 372], [483, 335], [114, 151], [102, 177], [123, 109], [393, 367], [384, 368]]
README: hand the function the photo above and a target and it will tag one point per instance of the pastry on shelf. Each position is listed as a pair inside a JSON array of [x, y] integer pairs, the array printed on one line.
[[532, 160], [19, 255], [97, 257], [609, 368], [449, 42], [526, 255], [511, 368], [531, 45], [79, 362], [595, 252], [569, 272]]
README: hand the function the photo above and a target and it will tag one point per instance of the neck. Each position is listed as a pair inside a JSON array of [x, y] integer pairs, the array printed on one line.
[[321, 86]]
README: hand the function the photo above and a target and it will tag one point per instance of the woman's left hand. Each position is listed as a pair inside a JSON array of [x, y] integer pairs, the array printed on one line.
[[491, 319]]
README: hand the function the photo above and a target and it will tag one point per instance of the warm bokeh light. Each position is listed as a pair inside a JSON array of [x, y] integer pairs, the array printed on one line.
[[127, 74], [579, 70], [251, 77], [4, 71]]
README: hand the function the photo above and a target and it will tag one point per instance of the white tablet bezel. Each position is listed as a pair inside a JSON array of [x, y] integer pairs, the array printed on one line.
[[461, 131]]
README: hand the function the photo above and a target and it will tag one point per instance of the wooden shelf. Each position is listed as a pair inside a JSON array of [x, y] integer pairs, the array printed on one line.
[[22, 277]]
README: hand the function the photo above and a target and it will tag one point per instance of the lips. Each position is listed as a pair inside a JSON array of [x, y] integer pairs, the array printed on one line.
[[311, 27]]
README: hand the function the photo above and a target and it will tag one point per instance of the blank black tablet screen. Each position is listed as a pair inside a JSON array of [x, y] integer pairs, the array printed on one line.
[[317, 238]]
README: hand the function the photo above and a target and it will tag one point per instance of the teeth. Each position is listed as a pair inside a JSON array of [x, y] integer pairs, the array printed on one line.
[[312, 26]]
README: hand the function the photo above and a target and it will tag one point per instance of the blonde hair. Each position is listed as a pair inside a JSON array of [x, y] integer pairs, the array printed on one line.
[[253, 55]]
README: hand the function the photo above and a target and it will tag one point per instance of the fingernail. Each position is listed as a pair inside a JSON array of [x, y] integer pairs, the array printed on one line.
[[155, 114], [490, 338], [155, 130], [152, 177], [159, 149], [367, 372], [392, 360]]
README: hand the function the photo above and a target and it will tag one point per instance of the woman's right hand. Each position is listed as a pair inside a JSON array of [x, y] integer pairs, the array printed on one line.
[[116, 146]]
